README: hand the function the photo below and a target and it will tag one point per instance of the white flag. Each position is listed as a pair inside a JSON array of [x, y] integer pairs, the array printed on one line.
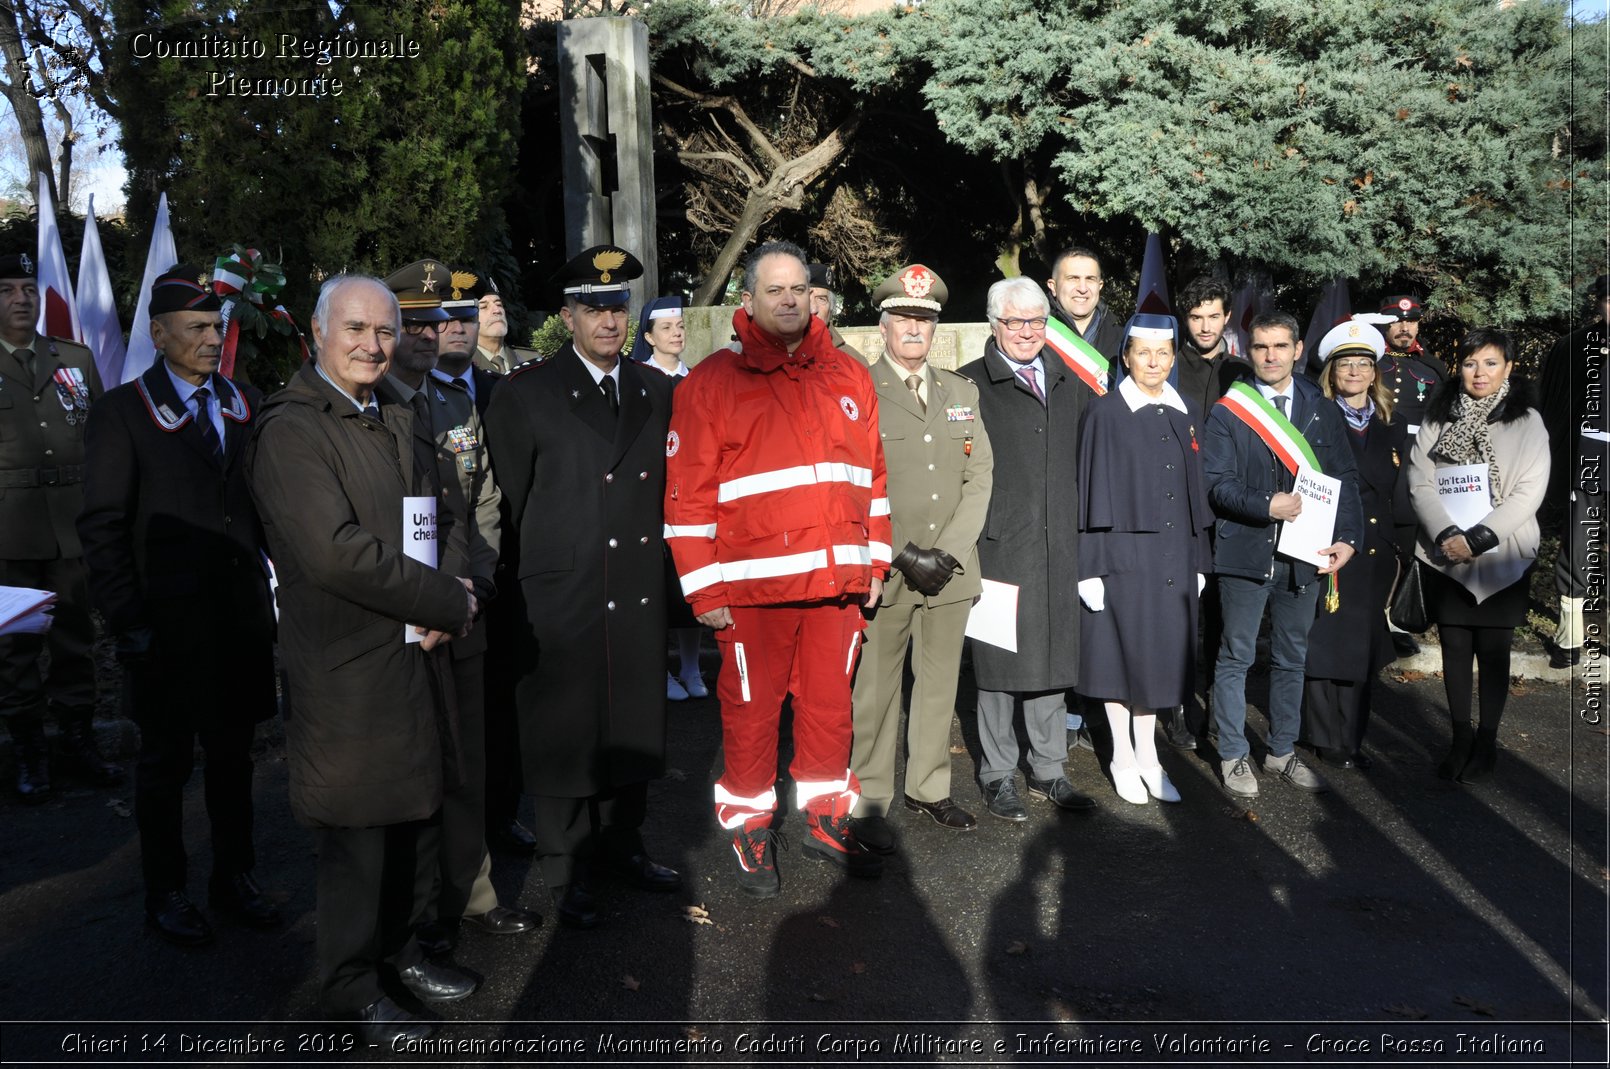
[[161, 256], [97, 311], [58, 315]]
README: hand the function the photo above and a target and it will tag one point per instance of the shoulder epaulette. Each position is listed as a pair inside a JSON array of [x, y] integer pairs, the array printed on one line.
[[528, 365]]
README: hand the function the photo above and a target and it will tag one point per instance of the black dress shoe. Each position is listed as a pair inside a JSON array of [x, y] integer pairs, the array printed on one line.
[[1560, 657], [644, 872], [1335, 758], [577, 907], [512, 838], [431, 982], [1059, 792], [176, 919], [1001, 799], [873, 833], [80, 754], [1175, 729], [384, 1022], [435, 939], [241, 898], [1362, 760], [1404, 644], [502, 920], [946, 813]]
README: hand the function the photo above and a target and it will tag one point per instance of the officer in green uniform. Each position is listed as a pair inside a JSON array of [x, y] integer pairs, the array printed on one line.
[[46, 387], [493, 352], [940, 472]]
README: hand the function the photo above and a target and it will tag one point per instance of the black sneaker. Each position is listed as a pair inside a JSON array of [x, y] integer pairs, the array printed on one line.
[[830, 838], [757, 859]]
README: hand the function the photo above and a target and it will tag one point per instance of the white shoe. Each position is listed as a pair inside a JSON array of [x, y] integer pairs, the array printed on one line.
[[695, 687], [1127, 782], [1158, 785], [674, 689]]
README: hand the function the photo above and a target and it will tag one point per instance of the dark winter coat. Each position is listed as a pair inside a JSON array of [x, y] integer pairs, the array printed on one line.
[[1353, 642], [1243, 474], [173, 546], [366, 718], [1031, 535], [585, 490]]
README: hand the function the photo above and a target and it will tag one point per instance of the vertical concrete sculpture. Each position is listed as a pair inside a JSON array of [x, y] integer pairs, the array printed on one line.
[[607, 141]]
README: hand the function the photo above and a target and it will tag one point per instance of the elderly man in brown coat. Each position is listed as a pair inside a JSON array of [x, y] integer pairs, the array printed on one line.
[[330, 468]]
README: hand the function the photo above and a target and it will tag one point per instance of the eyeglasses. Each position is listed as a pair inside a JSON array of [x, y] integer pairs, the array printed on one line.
[[1014, 324], [1355, 365], [414, 330]]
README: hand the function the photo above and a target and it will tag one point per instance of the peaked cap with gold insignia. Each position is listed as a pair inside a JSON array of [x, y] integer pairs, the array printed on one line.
[[420, 288], [598, 276], [913, 288]]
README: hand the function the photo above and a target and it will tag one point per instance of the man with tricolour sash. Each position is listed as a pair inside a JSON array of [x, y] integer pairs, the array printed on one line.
[[1259, 436]]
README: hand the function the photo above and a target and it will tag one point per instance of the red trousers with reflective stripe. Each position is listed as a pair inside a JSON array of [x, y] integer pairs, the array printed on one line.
[[767, 654]]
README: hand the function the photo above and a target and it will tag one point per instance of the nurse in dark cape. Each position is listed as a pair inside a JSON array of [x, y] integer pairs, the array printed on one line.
[[1143, 552]]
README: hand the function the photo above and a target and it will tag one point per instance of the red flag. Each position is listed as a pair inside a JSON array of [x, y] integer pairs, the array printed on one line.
[[58, 313], [1152, 296]]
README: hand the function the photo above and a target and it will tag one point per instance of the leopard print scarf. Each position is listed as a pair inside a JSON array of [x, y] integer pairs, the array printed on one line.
[[1467, 439]]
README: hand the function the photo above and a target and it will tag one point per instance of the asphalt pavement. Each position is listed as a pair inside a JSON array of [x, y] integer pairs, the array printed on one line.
[[1399, 918]]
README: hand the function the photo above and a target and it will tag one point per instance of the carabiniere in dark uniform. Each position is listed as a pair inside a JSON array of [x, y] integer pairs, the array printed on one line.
[[46, 388]]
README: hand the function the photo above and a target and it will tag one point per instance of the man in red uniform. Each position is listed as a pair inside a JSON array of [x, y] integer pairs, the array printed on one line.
[[778, 519]]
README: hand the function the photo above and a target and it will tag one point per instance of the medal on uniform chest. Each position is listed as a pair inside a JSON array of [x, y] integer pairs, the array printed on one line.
[[73, 393]]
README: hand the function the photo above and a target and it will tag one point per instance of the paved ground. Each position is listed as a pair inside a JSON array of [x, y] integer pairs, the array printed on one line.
[[1370, 924]]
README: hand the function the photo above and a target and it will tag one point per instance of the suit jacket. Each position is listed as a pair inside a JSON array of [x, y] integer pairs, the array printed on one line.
[[940, 469], [1031, 533], [42, 420], [1243, 474], [172, 543], [585, 489], [364, 735]]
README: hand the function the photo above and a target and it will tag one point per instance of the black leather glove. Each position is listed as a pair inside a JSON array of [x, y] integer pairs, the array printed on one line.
[[1480, 539], [133, 647], [924, 570]]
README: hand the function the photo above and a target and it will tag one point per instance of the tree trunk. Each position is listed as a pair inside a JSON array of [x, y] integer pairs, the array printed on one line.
[[64, 158], [17, 88]]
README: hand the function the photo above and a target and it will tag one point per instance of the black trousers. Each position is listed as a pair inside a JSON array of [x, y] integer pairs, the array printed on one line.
[[167, 757], [365, 900], [450, 847], [71, 685], [1583, 538], [503, 773], [572, 832], [1335, 713]]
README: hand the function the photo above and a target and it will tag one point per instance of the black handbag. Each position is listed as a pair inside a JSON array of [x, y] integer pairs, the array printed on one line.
[[1408, 609]]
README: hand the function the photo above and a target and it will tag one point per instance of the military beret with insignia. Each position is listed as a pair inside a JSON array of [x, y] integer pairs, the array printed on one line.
[[821, 276], [598, 276], [184, 288], [1402, 306], [419, 288], [1355, 336], [462, 299], [913, 288], [18, 265]]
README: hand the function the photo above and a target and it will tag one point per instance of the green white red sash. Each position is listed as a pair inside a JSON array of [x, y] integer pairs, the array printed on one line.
[[1081, 357], [1288, 445]]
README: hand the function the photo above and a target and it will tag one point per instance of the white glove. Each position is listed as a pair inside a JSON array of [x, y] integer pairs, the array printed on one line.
[[1201, 583], [1093, 592]]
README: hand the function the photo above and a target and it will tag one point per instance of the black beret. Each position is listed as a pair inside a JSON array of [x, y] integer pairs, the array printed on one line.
[[183, 288]]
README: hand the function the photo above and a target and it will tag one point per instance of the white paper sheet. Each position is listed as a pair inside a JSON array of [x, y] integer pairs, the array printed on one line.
[[994, 616], [1315, 527], [1463, 491], [25, 611], [419, 540]]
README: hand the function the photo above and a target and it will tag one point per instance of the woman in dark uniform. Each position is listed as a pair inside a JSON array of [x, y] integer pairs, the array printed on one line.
[[1143, 551], [661, 338], [1348, 646]]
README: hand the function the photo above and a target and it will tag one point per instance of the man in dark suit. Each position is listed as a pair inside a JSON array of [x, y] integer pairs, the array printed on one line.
[[46, 388], [177, 570], [1032, 404], [332, 471], [578, 443], [1250, 488]]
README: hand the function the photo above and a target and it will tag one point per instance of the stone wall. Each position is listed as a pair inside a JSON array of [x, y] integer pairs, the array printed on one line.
[[709, 328]]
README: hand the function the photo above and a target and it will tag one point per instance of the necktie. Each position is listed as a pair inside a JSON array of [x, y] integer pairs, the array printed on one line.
[[209, 433], [914, 384], [371, 411], [462, 384], [608, 386], [424, 440], [1026, 373], [27, 358], [1280, 402]]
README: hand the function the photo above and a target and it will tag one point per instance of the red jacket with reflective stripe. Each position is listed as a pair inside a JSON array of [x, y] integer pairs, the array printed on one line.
[[775, 488]]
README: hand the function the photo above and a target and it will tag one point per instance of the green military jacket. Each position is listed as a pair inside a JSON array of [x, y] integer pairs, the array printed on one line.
[[940, 472], [42, 417]]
